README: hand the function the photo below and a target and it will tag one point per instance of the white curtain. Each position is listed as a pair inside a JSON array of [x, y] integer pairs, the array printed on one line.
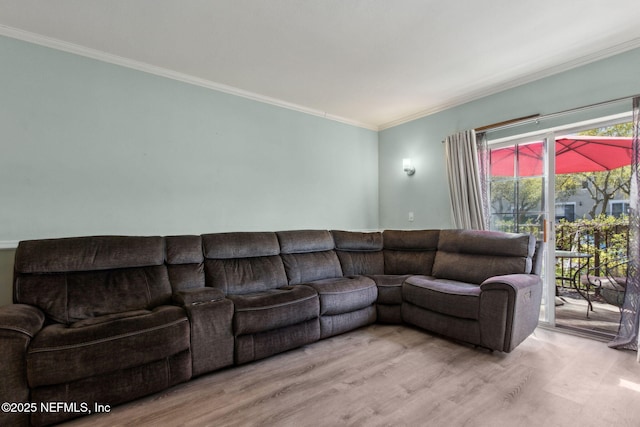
[[465, 180]]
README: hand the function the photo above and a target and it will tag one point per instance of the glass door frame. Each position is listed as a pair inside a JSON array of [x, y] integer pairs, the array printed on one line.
[[549, 242], [547, 211]]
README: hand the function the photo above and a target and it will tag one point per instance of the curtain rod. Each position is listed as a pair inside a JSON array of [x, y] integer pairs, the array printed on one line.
[[536, 117], [507, 123]]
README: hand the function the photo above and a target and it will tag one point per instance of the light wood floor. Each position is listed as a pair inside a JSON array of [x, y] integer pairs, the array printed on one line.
[[398, 376]]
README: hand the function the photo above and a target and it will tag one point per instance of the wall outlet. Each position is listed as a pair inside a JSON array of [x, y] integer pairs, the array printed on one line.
[[410, 216]]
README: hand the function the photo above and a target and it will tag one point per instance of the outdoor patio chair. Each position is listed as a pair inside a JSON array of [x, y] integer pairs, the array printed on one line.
[[608, 281]]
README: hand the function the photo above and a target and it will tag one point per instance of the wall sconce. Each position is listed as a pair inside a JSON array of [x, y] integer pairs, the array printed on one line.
[[406, 166]]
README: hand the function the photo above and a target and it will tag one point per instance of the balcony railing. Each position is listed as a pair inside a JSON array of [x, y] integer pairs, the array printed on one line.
[[606, 238]]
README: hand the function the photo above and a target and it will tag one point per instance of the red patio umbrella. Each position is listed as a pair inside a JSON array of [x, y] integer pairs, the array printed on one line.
[[573, 154]]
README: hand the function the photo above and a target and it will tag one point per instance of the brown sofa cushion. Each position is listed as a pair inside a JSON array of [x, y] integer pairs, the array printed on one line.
[[389, 288], [70, 297], [473, 256], [409, 252], [245, 275], [62, 354], [184, 249], [357, 241], [494, 243], [345, 294], [77, 278], [273, 309], [308, 255], [359, 253], [443, 296], [185, 262], [309, 267], [240, 245], [88, 254], [302, 241], [243, 262], [361, 263]]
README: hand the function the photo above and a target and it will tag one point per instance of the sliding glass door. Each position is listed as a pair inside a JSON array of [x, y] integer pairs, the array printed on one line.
[[519, 186], [570, 188]]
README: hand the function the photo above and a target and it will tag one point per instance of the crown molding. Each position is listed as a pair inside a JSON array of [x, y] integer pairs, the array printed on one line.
[[167, 73], [219, 87], [474, 96]]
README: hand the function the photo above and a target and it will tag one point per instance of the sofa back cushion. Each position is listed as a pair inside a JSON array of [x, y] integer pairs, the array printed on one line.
[[359, 253], [243, 262], [409, 251], [185, 262], [77, 278], [473, 256], [308, 255]]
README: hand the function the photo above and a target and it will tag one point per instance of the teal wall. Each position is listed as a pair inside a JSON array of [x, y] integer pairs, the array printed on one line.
[[426, 193], [93, 148]]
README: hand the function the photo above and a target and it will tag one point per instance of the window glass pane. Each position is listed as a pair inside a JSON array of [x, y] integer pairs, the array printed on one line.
[[503, 196], [517, 188], [530, 161], [531, 195], [503, 222]]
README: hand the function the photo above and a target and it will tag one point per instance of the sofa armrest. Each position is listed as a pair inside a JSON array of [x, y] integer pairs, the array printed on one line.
[[21, 318], [509, 309], [515, 282], [210, 318], [19, 323], [197, 296]]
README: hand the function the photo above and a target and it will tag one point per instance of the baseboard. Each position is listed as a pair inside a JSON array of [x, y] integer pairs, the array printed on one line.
[[8, 244]]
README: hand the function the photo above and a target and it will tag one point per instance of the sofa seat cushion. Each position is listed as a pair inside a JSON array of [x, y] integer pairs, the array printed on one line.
[[389, 287], [273, 309], [443, 296], [345, 294], [61, 354]]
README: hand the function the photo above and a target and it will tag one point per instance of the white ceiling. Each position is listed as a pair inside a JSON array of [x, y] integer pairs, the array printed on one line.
[[373, 63]]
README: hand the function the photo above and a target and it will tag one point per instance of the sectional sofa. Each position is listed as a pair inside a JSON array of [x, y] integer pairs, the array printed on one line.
[[107, 319]]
